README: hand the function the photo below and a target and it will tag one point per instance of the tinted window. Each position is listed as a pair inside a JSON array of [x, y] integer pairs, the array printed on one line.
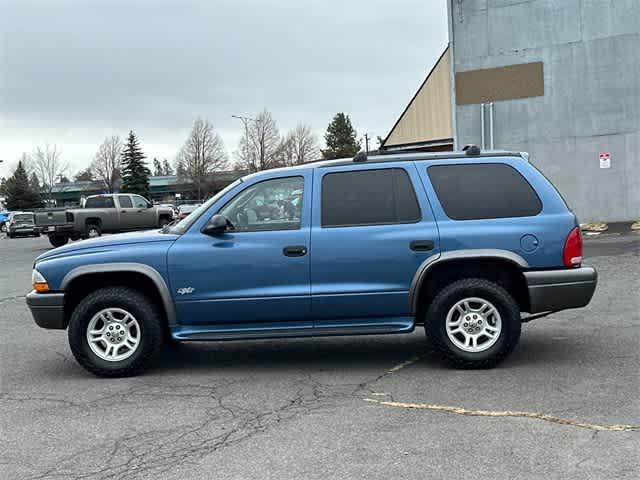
[[270, 205], [368, 197], [490, 190], [99, 202], [23, 217], [125, 201]]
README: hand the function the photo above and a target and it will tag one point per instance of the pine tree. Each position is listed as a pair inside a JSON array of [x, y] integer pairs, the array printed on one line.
[[135, 174], [20, 196], [3, 186], [341, 138]]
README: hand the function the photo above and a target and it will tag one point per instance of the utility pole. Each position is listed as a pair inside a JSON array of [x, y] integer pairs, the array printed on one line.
[[366, 143], [245, 121]]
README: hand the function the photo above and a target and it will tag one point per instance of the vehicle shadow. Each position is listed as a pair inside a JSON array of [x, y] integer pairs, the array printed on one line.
[[353, 353], [309, 353]]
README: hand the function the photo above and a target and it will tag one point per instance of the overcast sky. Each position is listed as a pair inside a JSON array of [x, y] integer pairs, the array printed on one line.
[[75, 71]]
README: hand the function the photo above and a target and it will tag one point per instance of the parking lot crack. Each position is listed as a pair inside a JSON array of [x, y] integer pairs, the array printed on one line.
[[507, 413]]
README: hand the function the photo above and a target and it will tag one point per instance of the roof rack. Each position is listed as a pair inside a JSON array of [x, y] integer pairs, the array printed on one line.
[[471, 150]]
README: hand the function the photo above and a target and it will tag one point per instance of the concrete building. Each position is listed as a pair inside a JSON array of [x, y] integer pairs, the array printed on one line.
[[559, 79]]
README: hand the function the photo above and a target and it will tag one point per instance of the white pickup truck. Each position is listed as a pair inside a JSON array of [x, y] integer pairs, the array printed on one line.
[[101, 213]]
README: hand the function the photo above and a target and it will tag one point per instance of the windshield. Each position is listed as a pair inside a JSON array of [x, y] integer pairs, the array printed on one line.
[[184, 224]]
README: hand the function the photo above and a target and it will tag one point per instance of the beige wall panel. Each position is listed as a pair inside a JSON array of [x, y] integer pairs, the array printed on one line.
[[428, 116], [502, 83]]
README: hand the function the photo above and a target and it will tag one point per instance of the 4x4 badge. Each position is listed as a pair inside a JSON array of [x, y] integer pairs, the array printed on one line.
[[185, 290]]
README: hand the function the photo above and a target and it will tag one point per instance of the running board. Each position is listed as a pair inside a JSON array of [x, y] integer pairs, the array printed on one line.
[[256, 332]]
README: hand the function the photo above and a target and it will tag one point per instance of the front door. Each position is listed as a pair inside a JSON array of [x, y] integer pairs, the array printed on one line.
[[146, 215], [256, 272], [372, 227]]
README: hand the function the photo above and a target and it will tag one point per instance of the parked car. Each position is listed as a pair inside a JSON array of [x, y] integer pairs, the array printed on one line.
[[4, 215], [101, 214], [174, 210], [185, 210], [21, 224], [467, 245]]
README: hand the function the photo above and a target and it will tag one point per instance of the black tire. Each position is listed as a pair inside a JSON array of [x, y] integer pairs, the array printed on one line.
[[11, 235], [3, 227], [145, 312], [58, 240], [92, 230], [435, 323]]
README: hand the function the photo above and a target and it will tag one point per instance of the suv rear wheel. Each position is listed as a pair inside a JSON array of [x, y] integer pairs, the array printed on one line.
[[473, 323], [115, 332]]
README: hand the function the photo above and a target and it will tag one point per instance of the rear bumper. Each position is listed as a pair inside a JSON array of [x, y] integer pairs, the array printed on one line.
[[47, 309], [24, 229], [54, 229], [552, 290]]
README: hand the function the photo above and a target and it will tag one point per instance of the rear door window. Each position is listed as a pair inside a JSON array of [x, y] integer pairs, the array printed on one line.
[[125, 201], [479, 191], [368, 197]]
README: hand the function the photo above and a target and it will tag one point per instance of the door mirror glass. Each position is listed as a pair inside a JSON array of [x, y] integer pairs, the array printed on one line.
[[216, 225]]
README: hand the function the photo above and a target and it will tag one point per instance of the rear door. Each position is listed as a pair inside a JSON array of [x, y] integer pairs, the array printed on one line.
[[372, 227], [128, 214]]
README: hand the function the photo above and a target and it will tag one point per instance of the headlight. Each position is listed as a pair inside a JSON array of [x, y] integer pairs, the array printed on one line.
[[39, 282]]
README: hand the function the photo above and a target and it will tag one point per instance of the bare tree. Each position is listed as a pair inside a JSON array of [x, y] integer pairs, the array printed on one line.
[[304, 145], [202, 155], [107, 162], [48, 166], [259, 145]]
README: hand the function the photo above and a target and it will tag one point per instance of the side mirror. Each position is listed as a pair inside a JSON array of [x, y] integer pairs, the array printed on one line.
[[216, 225]]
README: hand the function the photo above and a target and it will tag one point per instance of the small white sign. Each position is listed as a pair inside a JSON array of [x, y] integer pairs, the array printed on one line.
[[605, 160]]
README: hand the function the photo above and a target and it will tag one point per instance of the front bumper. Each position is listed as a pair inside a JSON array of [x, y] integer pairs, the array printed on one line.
[[552, 290], [47, 309]]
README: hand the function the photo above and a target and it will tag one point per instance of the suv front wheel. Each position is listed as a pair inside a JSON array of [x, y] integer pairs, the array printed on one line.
[[473, 323], [115, 332]]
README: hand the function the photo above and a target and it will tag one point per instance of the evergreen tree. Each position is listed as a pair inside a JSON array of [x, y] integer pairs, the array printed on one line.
[[3, 186], [20, 196], [34, 183], [341, 138], [135, 174]]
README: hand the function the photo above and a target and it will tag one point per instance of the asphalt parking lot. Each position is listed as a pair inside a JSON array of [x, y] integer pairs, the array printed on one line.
[[359, 407]]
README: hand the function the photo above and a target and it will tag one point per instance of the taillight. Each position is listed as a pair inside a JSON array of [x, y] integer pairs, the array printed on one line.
[[572, 253]]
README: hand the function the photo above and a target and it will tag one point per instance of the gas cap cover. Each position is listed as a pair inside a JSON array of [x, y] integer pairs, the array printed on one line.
[[529, 243]]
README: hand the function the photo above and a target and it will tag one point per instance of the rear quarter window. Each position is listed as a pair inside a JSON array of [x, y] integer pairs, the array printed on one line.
[[481, 191]]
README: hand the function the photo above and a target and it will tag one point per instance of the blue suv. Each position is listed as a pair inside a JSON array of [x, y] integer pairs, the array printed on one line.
[[468, 245]]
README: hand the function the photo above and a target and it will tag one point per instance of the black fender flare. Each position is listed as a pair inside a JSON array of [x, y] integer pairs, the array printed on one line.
[[471, 254], [141, 268]]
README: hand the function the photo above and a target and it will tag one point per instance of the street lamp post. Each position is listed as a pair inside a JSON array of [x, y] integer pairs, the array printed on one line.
[[245, 121]]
